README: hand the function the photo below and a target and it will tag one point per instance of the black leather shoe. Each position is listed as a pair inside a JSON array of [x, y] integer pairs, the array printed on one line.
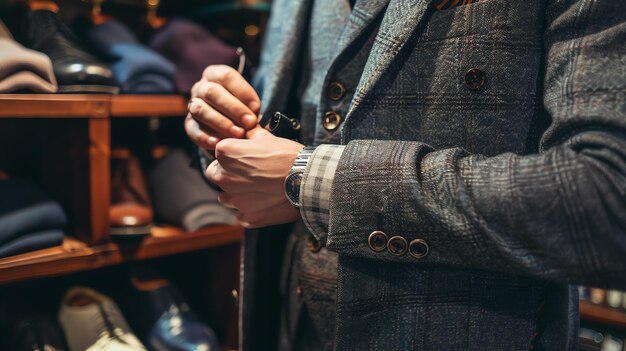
[[36, 333], [76, 71]]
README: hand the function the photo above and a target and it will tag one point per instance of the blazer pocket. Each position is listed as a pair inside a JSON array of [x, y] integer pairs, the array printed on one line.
[[476, 18]]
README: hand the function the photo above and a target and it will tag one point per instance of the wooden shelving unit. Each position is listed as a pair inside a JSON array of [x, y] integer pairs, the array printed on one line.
[[75, 256], [148, 106], [90, 106], [62, 143], [602, 314], [91, 247]]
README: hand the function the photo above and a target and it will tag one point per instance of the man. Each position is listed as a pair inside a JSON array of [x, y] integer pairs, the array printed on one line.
[[481, 171]]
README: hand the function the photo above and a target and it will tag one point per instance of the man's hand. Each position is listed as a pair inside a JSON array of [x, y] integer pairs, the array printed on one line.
[[222, 105], [252, 173]]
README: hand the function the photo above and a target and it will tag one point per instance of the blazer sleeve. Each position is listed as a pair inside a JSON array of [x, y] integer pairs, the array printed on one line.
[[559, 214]]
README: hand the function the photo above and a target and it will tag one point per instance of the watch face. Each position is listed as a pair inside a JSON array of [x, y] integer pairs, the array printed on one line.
[[292, 187]]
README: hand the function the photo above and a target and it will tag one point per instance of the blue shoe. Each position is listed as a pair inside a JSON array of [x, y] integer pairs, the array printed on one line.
[[168, 323]]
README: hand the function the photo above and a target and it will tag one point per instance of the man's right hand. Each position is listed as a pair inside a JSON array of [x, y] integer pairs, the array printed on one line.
[[223, 105]]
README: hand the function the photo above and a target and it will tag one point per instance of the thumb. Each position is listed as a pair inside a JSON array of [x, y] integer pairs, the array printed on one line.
[[257, 132]]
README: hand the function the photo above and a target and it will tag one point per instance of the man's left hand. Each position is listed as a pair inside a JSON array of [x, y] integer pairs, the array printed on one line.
[[252, 173]]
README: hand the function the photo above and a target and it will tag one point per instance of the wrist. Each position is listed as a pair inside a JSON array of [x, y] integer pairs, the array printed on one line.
[[293, 180]]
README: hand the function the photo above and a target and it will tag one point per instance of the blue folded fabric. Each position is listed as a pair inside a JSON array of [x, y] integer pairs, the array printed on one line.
[[138, 69], [24, 209], [31, 242]]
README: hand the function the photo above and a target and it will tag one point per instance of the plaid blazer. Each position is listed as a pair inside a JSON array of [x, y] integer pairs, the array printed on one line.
[[495, 133]]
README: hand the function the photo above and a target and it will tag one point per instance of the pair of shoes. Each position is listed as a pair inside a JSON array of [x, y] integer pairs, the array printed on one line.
[[93, 321]]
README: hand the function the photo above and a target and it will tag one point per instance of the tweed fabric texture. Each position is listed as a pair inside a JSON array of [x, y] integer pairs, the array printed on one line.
[[517, 187]]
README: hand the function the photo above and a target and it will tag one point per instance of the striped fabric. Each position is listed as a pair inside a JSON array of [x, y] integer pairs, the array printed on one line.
[[448, 4]]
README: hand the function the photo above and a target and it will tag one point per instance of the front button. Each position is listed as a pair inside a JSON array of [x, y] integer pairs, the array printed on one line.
[[313, 244], [475, 79], [397, 246], [336, 91], [331, 120], [419, 248], [377, 241]]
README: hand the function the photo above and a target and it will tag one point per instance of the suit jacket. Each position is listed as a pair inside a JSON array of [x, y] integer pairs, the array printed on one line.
[[495, 133]]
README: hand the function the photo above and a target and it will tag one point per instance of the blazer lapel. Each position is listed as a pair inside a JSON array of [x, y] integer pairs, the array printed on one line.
[[401, 19], [363, 13], [285, 32]]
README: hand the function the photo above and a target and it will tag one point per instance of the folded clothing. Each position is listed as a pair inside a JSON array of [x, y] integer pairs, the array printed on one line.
[[192, 48], [22, 68], [137, 68], [24, 210], [181, 197], [31, 242]]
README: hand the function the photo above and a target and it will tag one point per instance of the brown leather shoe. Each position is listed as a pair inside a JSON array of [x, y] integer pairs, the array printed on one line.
[[130, 213]]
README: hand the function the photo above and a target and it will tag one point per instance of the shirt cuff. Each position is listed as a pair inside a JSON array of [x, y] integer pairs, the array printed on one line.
[[316, 186]]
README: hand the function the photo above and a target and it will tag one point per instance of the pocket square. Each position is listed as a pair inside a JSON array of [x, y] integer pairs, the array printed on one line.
[[448, 4]]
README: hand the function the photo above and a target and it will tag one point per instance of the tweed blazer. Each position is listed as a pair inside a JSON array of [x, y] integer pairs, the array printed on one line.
[[495, 133]]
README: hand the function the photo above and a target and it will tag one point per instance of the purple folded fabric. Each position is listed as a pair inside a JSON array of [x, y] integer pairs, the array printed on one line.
[[191, 48]]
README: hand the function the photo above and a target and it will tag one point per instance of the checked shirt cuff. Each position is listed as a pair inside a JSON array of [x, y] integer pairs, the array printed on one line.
[[316, 187]]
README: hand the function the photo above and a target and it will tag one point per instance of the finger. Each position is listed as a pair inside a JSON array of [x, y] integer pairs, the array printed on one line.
[[228, 105], [225, 200], [194, 88], [200, 135], [206, 115], [214, 173], [257, 132], [234, 82]]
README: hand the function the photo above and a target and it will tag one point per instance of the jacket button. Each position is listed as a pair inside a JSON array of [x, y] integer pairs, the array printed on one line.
[[331, 120], [475, 79], [336, 91], [313, 244], [419, 248], [377, 241], [397, 246]]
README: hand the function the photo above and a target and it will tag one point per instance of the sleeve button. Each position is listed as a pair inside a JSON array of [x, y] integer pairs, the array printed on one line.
[[397, 246], [377, 241], [419, 248]]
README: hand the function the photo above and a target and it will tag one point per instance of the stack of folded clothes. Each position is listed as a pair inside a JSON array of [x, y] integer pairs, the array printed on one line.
[[28, 219], [182, 197], [138, 69], [22, 69], [192, 48]]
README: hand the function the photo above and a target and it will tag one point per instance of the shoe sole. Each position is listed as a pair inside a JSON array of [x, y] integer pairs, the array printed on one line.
[[98, 89], [130, 231]]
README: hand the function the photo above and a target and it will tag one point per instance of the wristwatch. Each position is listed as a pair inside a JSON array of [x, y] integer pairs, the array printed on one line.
[[294, 178]]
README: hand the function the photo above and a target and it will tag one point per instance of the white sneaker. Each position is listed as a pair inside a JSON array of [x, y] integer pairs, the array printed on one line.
[[93, 322]]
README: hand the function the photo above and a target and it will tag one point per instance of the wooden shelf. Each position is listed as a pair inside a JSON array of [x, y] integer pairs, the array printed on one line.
[[148, 106], [54, 106], [75, 256], [602, 314], [90, 106]]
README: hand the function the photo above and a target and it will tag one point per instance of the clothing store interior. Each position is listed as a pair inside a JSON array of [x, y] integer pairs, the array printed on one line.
[[111, 237]]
